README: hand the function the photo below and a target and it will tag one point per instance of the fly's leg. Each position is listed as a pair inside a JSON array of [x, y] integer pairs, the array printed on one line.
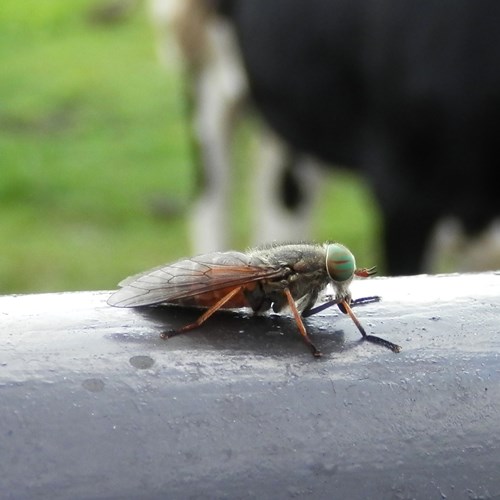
[[366, 300], [203, 317], [314, 310], [302, 329], [370, 338], [358, 302]]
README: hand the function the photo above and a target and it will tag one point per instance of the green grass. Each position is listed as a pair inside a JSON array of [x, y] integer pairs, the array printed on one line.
[[92, 136]]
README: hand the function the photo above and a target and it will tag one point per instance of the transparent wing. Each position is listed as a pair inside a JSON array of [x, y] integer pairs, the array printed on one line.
[[191, 277]]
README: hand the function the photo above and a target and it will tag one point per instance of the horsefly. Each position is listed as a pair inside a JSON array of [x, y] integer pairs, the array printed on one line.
[[263, 278]]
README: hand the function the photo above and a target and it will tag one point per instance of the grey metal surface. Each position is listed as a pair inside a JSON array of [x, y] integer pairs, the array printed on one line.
[[93, 404]]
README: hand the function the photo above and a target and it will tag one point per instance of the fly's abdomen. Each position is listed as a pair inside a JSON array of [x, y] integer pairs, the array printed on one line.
[[207, 299]]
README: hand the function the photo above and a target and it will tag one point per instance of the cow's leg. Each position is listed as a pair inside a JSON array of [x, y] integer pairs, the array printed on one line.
[[219, 91]]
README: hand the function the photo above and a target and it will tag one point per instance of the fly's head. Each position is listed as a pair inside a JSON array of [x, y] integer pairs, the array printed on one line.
[[341, 268]]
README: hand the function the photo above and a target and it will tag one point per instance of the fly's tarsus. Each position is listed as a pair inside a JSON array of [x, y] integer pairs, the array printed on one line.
[[316, 352], [169, 334], [377, 340], [366, 300]]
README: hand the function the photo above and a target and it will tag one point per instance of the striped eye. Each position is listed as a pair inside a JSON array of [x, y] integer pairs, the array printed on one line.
[[340, 262]]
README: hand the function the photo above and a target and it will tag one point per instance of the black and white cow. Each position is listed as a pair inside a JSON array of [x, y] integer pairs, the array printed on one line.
[[284, 181], [406, 92]]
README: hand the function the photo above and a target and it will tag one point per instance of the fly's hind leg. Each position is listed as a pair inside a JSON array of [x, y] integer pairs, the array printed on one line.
[[186, 328]]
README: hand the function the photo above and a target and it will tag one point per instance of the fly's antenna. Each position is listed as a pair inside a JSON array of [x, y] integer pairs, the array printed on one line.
[[366, 272]]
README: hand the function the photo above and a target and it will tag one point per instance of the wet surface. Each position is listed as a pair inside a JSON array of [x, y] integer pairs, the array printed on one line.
[[96, 405]]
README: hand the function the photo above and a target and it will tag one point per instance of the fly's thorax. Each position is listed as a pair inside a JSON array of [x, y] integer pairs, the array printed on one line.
[[299, 257], [303, 265], [304, 272]]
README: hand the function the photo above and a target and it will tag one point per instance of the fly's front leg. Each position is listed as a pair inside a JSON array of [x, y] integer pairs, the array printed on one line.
[[366, 300], [358, 302], [171, 333], [370, 338], [314, 310]]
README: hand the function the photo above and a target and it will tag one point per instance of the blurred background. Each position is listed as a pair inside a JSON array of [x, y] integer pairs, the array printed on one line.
[[96, 163]]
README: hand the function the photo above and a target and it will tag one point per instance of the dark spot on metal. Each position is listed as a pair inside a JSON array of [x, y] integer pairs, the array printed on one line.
[[93, 384], [142, 362]]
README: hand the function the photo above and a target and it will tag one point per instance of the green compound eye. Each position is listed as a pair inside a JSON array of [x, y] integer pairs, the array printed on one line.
[[340, 262]]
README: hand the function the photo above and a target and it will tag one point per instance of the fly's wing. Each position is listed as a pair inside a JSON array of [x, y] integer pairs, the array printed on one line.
[[191, 277]]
